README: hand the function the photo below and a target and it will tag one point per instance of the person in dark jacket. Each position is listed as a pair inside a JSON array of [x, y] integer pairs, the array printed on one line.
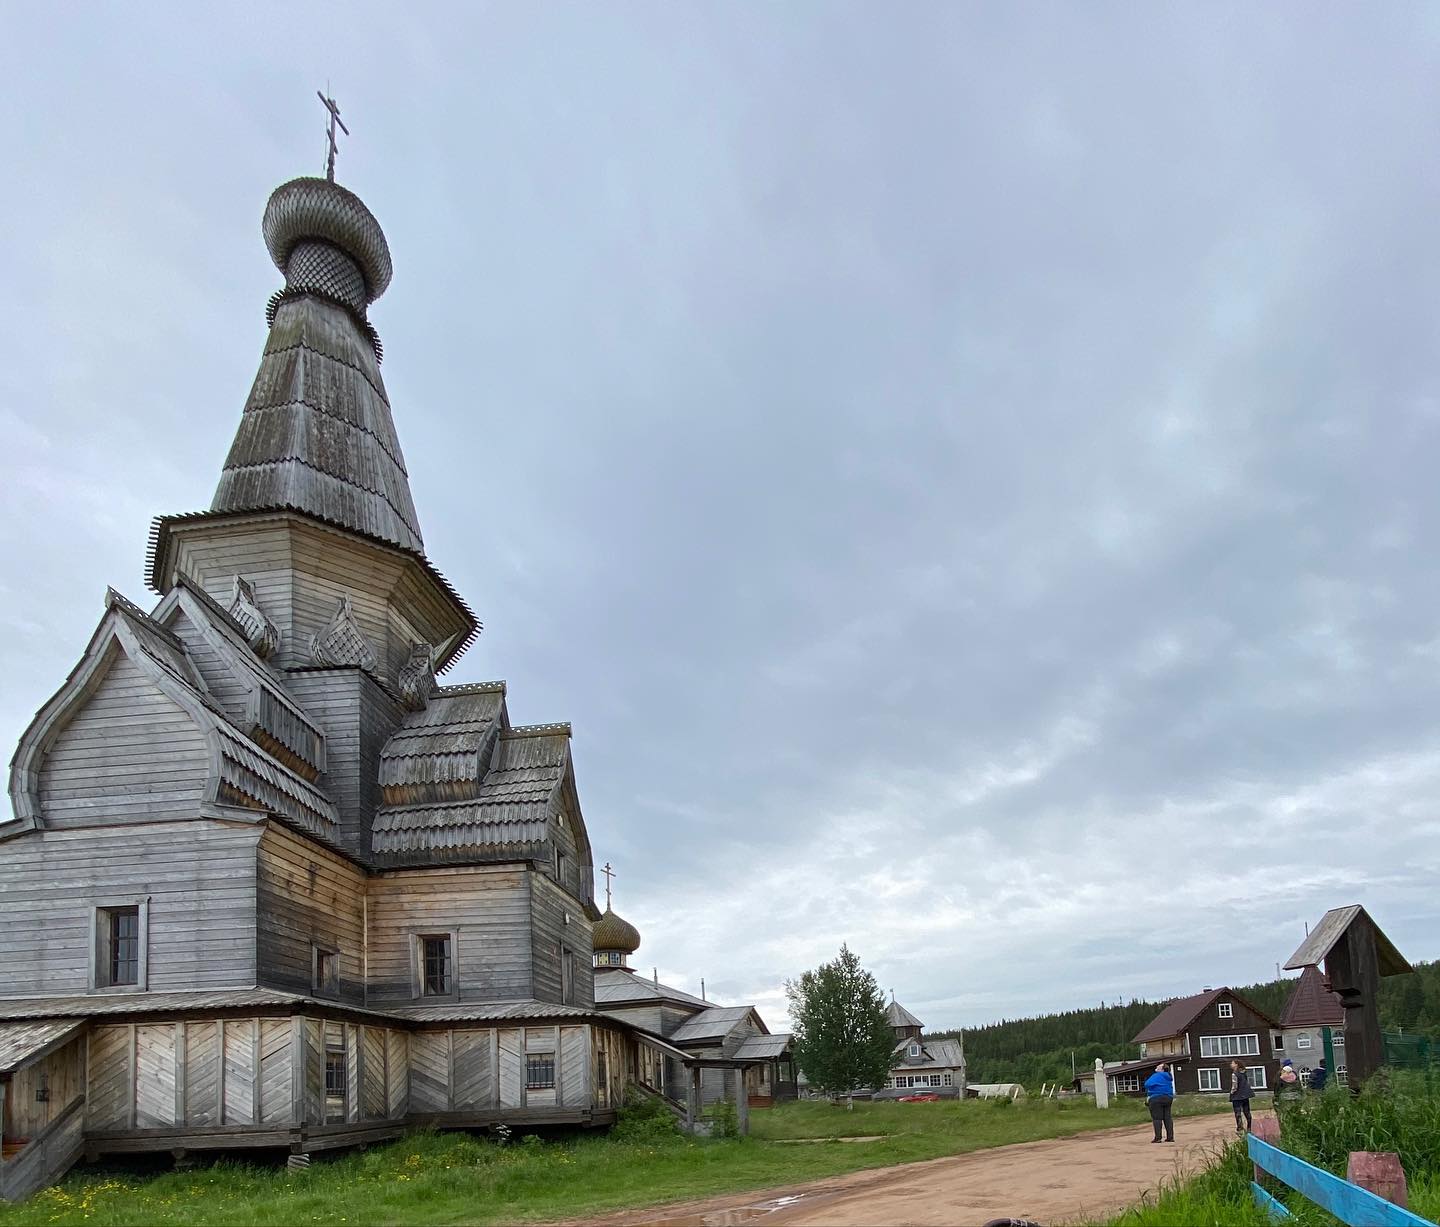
[[1288, 1084], [1318, 1076], [1160, 1096], [1240, 1097]]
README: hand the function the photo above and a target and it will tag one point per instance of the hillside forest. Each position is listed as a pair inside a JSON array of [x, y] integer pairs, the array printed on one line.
[[1033, 1051]]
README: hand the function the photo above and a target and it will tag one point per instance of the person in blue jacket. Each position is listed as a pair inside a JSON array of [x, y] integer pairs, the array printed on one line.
[[1160, 1095]]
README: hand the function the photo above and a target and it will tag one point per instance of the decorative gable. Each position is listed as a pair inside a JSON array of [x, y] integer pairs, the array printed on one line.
[[152, 737]]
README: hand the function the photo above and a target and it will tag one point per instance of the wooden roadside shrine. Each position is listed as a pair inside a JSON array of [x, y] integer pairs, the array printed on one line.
[[1355, 954]]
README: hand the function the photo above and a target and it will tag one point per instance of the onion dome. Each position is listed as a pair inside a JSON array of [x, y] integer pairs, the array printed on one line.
[[612, 939], [324, 239]]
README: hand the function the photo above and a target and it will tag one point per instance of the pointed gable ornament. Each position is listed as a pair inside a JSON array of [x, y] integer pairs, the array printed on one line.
[[260, 632], [417, 677], [342, 642]]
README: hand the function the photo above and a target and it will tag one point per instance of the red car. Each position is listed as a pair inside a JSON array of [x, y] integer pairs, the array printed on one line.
[[923, 1097]]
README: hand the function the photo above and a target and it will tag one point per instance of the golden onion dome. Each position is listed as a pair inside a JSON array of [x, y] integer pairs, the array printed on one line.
[[612, 933]]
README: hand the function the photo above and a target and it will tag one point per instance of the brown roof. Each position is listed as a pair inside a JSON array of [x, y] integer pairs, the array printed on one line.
[[1180, 1013], [1310, 1005]]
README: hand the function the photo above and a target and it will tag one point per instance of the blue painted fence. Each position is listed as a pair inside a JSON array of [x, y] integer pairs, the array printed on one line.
[[1348, 1202]]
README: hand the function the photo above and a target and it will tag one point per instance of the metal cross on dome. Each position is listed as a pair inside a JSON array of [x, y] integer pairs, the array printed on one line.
[[609, 873], [330, 105]]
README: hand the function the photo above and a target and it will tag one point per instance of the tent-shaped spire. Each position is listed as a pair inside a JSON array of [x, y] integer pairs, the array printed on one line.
[[316, 435]]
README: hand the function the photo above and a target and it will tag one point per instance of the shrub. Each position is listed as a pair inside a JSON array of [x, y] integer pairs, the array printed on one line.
[[724, 1121], [644, 1119]]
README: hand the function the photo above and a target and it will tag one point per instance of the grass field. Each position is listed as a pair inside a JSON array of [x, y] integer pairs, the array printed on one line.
[[1402, 1116], [458, 1178]]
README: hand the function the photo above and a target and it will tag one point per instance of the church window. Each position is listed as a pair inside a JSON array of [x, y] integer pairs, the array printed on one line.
[[324, 971], [567, 976], [335, 1073], [437, 965], [540, 1071], [120, 940]]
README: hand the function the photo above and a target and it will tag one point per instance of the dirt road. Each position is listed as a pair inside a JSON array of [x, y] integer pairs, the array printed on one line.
[[1087, 1176]]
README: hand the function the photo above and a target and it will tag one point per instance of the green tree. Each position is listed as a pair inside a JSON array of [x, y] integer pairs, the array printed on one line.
[[841, 1038]]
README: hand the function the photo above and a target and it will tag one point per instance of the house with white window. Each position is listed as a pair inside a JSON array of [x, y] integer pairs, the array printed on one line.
[[1200, 1035], [1312, 1026], [920, 1064]]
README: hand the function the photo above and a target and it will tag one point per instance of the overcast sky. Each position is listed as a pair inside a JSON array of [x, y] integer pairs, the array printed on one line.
[[968, 472]]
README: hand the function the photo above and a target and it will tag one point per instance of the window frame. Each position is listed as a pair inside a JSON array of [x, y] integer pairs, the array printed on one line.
[[1201, 1078], [1304, 1042], [1225, 1009], [1277, 1041], [319, 954], [1337, 1039], [418, 937], [101, 913], [914, 1049], [1217, 1046], [1126, 1082], [542, 1059], [1258, 1079], [330, 1052]]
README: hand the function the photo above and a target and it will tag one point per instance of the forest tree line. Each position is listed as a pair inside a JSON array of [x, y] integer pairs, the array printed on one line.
[[1037, 1050]]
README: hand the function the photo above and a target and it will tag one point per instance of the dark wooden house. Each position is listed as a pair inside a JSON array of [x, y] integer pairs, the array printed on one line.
[[268, 881], [1200, 1036]]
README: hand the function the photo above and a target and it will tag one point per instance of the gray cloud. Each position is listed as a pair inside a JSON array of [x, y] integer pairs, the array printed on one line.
[[967, 473]]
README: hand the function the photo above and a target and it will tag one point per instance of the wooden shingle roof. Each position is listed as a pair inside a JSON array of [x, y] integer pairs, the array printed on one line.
[[507, 818]]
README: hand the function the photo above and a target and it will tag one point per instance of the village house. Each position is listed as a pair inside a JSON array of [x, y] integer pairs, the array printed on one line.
[[1200, 1036], [1312, 1026], [268, 881], [919, 1064]]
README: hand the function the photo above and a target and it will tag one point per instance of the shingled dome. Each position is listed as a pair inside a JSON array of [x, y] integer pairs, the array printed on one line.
[[613, 933]]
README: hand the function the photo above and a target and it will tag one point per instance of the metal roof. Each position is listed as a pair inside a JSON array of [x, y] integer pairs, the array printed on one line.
[[494, 1011], [141, 1003], [715, 1023], [898, 1016], [614, 986], [1328, 933], [1310, 1005], [934, 1054], [763, 1047], [23, 1042], [1181, 1012]]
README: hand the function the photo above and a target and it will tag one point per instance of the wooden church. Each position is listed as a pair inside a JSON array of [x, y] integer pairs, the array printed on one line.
[[269, 882]]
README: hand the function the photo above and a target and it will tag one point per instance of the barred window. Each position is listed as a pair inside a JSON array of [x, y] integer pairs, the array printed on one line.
[[539, 1071]]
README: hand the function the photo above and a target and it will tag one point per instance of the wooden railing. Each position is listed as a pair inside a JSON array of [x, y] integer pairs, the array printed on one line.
[[48, 1155], [1348, 1202]]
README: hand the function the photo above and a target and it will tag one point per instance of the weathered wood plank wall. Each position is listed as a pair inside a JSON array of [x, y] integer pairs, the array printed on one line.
[[306, 894], [61, 1074], [558, 927], [488, 904], [201, 891], [103, 767]]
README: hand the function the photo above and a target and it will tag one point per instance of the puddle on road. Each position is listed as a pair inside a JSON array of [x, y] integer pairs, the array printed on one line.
[[736, 1216]]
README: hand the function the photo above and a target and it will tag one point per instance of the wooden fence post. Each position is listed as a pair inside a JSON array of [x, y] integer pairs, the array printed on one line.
[[1381, 1173]]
